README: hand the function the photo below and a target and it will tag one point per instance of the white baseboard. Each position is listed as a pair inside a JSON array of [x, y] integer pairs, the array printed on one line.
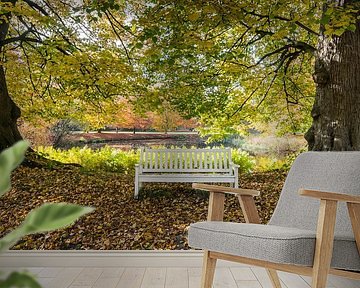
[[109, 258]]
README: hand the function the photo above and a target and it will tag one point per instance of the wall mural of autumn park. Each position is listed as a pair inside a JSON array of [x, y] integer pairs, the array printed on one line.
[[89, 82]]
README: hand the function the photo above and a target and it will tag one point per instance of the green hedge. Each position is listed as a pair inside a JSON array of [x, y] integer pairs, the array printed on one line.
[[115, 160], [104, 159]]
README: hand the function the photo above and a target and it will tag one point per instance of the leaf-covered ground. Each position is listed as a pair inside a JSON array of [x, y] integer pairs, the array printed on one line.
[[158, 220]]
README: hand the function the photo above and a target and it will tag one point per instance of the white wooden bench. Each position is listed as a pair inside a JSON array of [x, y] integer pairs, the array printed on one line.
[[185, 166]]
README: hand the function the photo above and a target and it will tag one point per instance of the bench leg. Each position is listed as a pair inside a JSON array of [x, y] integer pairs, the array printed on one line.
[[234, 185], [138, 186], [136, 193]]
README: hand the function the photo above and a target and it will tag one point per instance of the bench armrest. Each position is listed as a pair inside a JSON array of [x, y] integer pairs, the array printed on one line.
[[222, 189], [234, 165], [330, 196], [138, 169]]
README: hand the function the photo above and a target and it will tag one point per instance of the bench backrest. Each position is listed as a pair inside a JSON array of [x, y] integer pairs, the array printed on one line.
[[185, 160]]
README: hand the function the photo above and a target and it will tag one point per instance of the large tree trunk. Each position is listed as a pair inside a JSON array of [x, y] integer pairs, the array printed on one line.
[[336, 111], [9, 113]]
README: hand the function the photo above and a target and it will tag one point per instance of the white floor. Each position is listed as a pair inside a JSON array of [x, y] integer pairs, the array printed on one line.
[[145, 269]]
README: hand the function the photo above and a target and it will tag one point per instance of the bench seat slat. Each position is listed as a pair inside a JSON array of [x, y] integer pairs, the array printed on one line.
[[169, 171], [167, 175], [189, 178], [180, 150]]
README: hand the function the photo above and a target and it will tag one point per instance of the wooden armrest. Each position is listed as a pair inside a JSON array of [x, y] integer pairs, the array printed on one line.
[[216, 201], [222, 189], [330, 196]]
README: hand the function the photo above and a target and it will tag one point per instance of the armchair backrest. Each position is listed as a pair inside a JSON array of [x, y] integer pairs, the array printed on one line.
[[326, 171]]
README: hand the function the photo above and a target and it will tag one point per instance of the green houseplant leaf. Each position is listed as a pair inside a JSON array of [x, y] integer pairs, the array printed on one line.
[[9, 160], [52, 216], [19, 279]]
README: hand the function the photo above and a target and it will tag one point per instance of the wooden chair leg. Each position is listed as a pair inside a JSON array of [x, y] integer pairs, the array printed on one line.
[[324, 243], [354, 212], [208, 271], [215, 213], [274, 278], [251, 215]]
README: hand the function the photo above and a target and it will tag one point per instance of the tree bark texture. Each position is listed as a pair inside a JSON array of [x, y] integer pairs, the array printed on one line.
[[9, 111], [336, 111]]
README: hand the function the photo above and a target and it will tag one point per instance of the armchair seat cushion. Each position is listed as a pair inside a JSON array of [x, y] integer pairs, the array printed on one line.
[[270, 243]]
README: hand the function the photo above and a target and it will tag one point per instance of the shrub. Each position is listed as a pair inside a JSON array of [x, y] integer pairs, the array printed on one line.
[[273, 163], [278, 147], [61, 129], [243, 159], [264, 164], [105, 159]]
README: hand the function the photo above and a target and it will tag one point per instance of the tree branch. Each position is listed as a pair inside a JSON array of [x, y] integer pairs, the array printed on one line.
[[29, 67], [303, 26], [37, 7], [248, 98], [267, 90], [118, 35], [119, 23], [21, 38]]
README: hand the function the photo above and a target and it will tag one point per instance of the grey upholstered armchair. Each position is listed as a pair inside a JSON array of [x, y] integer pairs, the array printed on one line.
[[312, 232]]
